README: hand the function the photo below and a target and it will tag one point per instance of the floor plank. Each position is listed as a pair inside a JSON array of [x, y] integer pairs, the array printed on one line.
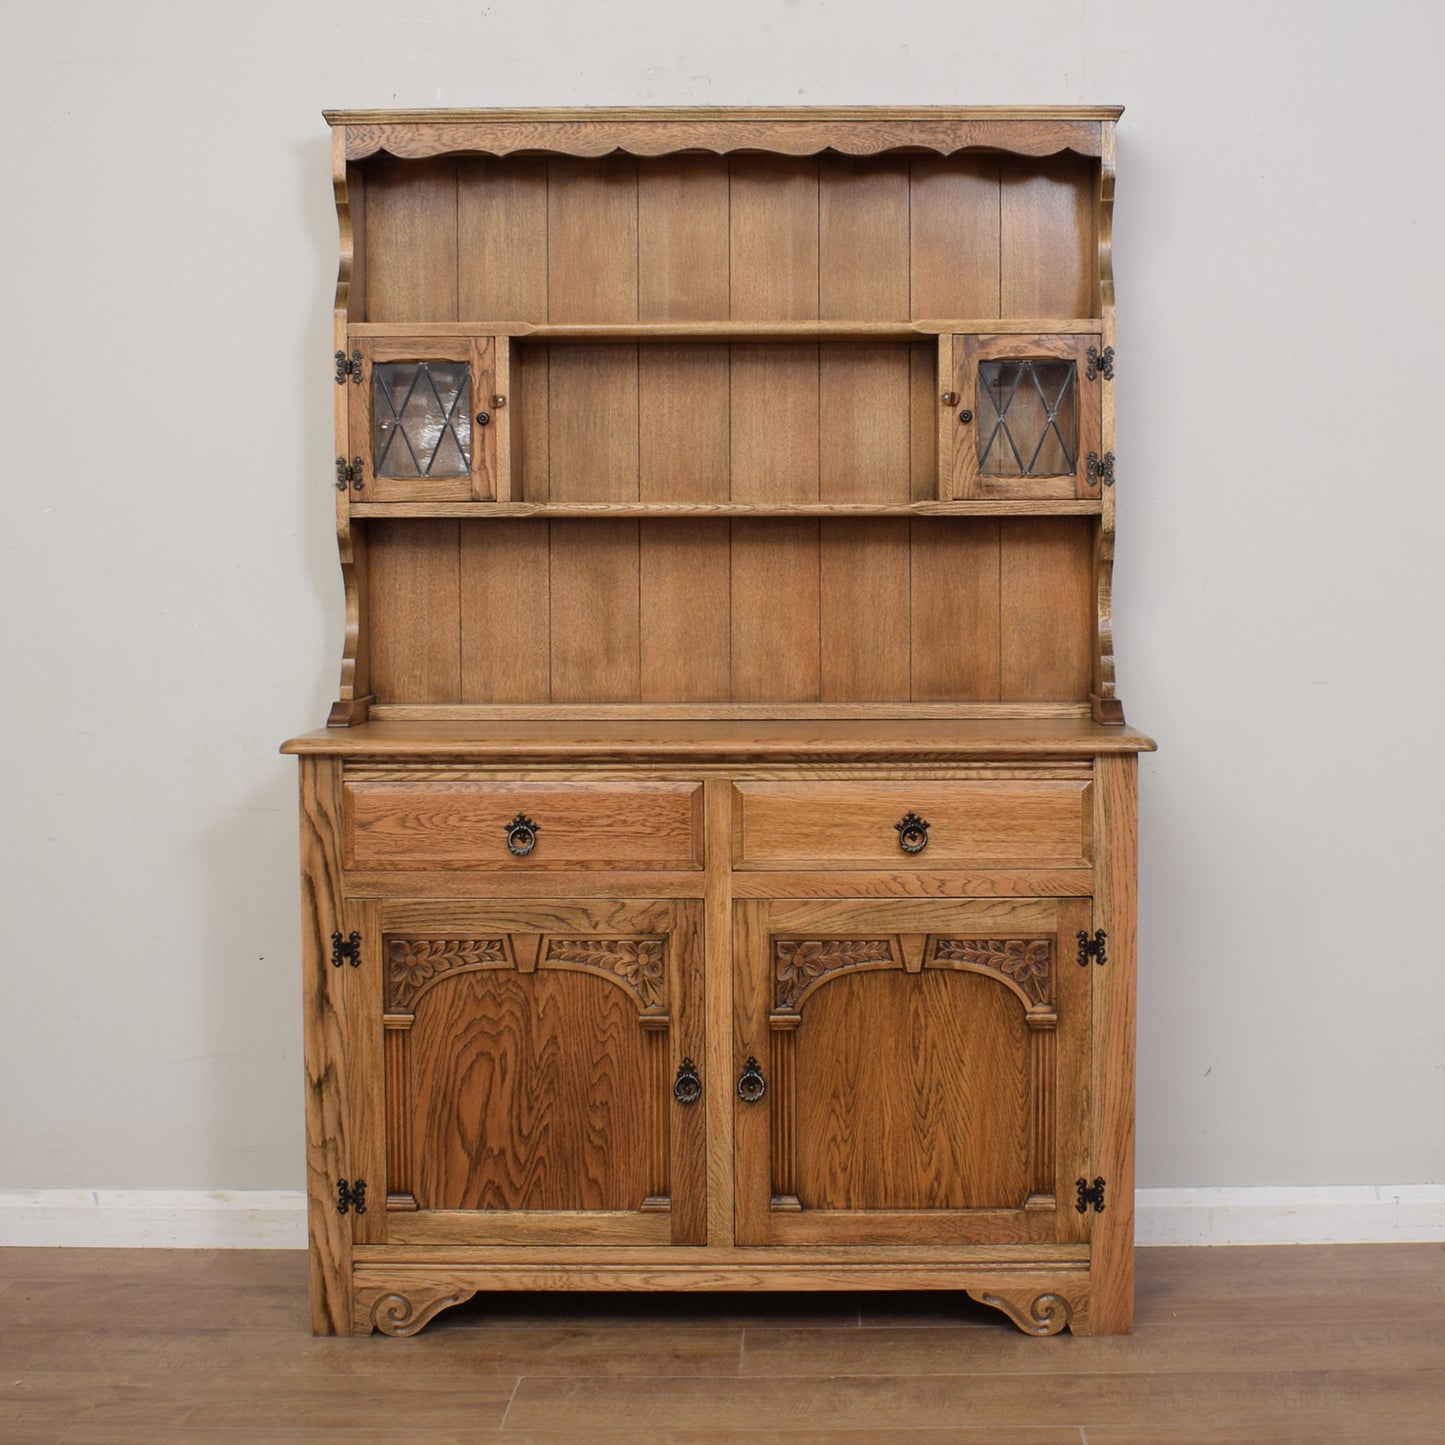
[[1373, 1402], [1280, 1345], [580, 1349], [1417, 1344], [223, 1398], [572, 1435]]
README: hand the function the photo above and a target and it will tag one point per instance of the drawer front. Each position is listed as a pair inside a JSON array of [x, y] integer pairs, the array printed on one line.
[[1003, 822], [468, 825]]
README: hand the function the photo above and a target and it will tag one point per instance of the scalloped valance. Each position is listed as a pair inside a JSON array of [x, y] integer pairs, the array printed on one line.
[[855, 132]]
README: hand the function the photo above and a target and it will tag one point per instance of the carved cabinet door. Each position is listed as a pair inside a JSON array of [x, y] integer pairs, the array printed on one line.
[[535, 1073], [911, 1072]]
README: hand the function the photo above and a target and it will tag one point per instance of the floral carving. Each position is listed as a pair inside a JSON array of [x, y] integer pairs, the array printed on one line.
[[637, 961], [800, 962], [1027, 962], [412, 964]]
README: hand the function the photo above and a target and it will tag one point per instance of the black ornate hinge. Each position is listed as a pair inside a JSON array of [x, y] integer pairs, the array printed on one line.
[[1101, 363], [346, 950], [351, 366], [1101, 469], [350, 1196], [351, 472], [1093, 948], [1090, 1194]]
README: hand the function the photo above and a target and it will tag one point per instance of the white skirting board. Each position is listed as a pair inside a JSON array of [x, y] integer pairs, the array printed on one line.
[[276, 1218]]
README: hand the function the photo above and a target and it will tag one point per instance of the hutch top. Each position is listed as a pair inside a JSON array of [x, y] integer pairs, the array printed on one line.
[[725, 413]]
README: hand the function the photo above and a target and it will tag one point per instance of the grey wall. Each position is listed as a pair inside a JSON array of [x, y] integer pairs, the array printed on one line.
[[172, 607]]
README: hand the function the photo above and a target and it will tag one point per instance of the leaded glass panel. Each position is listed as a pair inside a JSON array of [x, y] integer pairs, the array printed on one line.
[[1028, 418], [423, 419]]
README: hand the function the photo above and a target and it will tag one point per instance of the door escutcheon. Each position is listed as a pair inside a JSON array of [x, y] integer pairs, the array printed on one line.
[[687, 1087], [751, 1084]]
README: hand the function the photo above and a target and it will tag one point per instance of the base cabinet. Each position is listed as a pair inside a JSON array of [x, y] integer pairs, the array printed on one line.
[[859, 1072]]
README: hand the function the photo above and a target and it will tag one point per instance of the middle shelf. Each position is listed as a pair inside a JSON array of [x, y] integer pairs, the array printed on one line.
[[878, 421], [975, 507]]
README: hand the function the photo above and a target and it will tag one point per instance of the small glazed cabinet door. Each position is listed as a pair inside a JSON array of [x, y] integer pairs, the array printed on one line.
[[422, 421], [911, 1072], [534, 1064], [1034, 417]]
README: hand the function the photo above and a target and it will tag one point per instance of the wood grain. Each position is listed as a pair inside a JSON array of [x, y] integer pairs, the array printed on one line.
[[329, 1117], [823, 825], [1047, 241], [507, 1116], [885, 1129], [813, 741], [411, 240], [596, 619], [686, 611], [773, 238], [592, 411], [954, 236], [773, 249], [592, 239], [501, 238], [954, 583], [414, 594], [1036, 131], [1112, 1080], [579, 825], [865, 615], [505, 625], [863, 252], [775, 649], [1046, 607], [682, 238]]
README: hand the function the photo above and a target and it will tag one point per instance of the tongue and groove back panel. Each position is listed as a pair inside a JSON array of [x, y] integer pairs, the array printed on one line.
[[926, 610], [729, 610]]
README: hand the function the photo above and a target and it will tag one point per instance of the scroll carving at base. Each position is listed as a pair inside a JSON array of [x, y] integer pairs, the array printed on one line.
[[1034, 1314], [394, 1313]]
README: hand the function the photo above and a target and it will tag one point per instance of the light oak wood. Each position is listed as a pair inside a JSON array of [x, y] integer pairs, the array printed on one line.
[[576, 825], [797, 740], [819, 825], [596, 133], [726, 594], [925, 326], [966, 507]]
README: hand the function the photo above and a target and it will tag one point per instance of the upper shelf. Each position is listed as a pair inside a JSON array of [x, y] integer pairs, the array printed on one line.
[[853, 131], [975, 507], [734, 330]]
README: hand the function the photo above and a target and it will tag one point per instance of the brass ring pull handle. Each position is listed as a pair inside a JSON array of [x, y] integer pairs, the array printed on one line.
[[521, 835], [751, 1084], [687, 1087], [912, 833]]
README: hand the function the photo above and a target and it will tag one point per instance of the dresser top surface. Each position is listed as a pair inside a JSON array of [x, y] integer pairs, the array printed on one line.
[[742, 739]]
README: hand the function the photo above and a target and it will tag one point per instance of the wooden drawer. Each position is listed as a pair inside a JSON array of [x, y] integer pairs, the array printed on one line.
[[994, 822], [458, 824]]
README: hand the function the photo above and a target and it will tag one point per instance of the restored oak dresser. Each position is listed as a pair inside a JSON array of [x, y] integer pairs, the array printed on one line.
[[719, 864]]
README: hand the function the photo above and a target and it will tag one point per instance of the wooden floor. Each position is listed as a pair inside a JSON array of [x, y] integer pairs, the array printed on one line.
[[1267, 1346]]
